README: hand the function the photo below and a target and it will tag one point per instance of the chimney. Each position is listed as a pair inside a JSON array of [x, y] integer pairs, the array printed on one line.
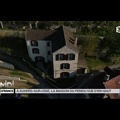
[[75, 43]]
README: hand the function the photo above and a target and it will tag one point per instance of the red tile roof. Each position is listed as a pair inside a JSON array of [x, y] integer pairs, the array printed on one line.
[[113, 83]]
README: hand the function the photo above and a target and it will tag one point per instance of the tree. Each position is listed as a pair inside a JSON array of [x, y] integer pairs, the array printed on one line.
[[90, 46]]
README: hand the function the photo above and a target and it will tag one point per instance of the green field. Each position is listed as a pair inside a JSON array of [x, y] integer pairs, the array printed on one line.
[[97, 64], [19, 73]]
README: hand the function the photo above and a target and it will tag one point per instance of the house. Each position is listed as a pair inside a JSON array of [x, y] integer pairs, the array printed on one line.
[[39, 47], [113, 83], [58, 46]]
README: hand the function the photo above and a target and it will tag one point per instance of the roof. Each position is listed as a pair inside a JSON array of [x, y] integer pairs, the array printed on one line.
[[38, 34], [64, 37], [69, 38], [113, 83], [60, 37]]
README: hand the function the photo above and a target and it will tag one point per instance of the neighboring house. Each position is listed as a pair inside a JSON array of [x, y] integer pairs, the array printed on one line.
[[39, 47], [113, 83], [58, 46]]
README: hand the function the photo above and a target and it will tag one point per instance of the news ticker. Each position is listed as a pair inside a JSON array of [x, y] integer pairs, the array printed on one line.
[[59, 91]]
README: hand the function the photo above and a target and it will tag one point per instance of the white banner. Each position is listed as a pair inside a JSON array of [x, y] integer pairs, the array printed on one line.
[[67, 91], [6, 91]]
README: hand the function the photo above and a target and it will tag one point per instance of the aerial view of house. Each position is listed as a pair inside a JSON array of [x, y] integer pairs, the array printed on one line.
[[60, 54], [57, 46]]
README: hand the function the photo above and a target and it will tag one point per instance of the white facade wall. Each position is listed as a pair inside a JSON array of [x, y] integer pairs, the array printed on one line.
[[43, 50], [73, 63]]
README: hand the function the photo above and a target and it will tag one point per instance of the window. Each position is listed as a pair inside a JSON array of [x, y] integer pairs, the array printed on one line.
[[60, 57], [34, 43], [71, 56], [35, 50], [49, 52], [48, 44], [64, 74], [65, 66]]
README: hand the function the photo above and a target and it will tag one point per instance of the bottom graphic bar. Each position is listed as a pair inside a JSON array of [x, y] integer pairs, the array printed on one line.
[[67, 91]]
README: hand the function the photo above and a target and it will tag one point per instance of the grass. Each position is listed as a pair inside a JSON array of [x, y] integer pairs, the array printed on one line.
[[23, 75], [19, 73], [97, 64], [31, 82]]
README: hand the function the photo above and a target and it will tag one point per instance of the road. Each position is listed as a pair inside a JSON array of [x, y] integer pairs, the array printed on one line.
[[17, 64]]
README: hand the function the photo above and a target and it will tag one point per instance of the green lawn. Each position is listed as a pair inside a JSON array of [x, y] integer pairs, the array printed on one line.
[[19, 73], [97, 64]]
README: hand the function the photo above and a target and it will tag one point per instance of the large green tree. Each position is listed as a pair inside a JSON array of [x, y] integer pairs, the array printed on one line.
[[90, 45]]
